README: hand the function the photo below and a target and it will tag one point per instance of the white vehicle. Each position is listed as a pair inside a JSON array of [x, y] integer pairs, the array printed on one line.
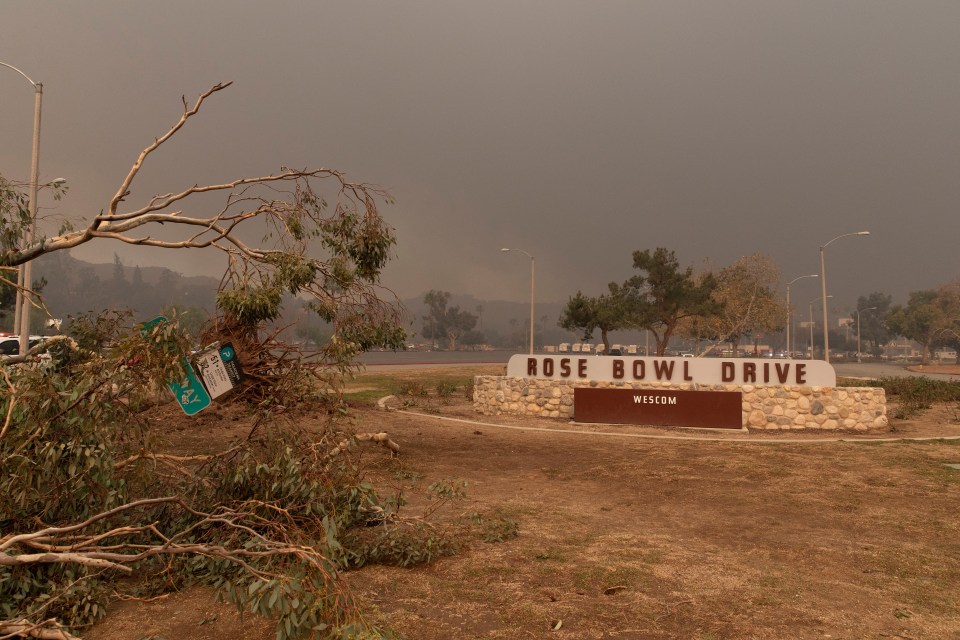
[[10, 344]]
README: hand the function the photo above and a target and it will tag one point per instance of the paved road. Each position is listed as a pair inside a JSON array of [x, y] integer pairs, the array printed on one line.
[[433, 358], [421, 359], [883, 370]]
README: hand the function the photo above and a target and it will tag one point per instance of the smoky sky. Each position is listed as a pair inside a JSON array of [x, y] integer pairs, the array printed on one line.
[[578, 132]]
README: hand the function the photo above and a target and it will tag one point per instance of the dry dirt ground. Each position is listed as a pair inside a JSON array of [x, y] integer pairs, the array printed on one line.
[[644, 533]]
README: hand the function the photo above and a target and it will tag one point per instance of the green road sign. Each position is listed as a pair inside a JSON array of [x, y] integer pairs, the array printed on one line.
[[189, 393]]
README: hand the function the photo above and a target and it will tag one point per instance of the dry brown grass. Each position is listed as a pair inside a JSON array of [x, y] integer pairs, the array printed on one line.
[[626, 538]]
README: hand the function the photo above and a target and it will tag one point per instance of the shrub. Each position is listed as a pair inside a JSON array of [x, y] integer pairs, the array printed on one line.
[[915, 394], [272, 522], [445, 388]]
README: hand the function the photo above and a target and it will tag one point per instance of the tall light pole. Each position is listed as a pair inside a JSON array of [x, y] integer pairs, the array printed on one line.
[[811, 326], [858, 331], [790, 311], [532, 280], [823, 285], [23, 279]]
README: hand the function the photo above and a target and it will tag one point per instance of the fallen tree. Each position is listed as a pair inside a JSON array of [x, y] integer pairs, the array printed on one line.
[[85, 495]]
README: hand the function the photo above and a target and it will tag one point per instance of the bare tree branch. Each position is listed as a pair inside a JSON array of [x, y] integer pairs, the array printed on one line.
[[187, 114], [46, 630], [218, 226]]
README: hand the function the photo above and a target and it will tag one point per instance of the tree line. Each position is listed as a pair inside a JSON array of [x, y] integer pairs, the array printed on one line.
[[671, 301], [709, 307], [739, 301]]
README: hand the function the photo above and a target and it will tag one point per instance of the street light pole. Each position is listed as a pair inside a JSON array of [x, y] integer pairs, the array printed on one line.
[[790, 311], [533, 272], [811, 326], [823, 285], [859, 360], [23, 278]]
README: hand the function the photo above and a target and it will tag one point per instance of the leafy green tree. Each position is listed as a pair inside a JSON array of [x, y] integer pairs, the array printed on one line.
[[119, 278], [947, 333], [473, 337], [137, 282], [443, 322], [14, 217], [930, 317], [606, 312], [663, 295], [313, 335], [13, 212], [8, 299], [874, 309], [918, 320]]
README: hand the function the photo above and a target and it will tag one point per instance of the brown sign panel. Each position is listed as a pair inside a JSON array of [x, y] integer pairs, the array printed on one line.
[[709, 409]]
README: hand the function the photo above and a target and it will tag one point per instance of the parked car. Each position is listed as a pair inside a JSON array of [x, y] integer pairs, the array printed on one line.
[[10, 345]]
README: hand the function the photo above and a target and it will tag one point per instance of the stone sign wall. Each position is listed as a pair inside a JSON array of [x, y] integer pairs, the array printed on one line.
[[762, 407]]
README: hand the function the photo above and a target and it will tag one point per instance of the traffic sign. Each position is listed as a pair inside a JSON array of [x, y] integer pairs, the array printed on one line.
[[189, 392]]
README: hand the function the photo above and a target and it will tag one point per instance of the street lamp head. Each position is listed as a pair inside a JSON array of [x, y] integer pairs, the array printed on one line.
[[505, 249], [812, 275], [845, 235], [10, 66], [57, 181]]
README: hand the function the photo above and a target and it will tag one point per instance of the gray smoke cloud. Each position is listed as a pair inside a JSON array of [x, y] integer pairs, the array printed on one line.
[[578, 132]]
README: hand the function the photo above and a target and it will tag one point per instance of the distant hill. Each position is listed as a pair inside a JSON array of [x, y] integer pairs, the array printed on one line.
[[75, 286]]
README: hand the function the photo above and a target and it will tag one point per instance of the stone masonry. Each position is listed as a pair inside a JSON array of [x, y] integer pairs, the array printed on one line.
[[764, 407]]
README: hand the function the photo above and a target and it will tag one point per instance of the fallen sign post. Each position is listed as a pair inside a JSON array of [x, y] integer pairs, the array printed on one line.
[[189, 392], [218, 369]]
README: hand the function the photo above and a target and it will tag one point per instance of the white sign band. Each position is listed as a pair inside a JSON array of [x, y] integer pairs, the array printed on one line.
[[740, 371]]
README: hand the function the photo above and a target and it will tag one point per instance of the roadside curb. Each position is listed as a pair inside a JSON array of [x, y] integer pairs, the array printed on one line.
[[649, 436]]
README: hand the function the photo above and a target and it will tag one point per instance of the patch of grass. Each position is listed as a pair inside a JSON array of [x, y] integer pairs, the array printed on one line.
[[939, 442], [484, 572], [653, 556], [495, 527], [407, 474], [413, 388], [551, 554], [597, 578], [446, 388], [941, 474]]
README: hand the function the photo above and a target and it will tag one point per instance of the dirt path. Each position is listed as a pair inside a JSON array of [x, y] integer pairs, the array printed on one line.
[[629, 538]]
